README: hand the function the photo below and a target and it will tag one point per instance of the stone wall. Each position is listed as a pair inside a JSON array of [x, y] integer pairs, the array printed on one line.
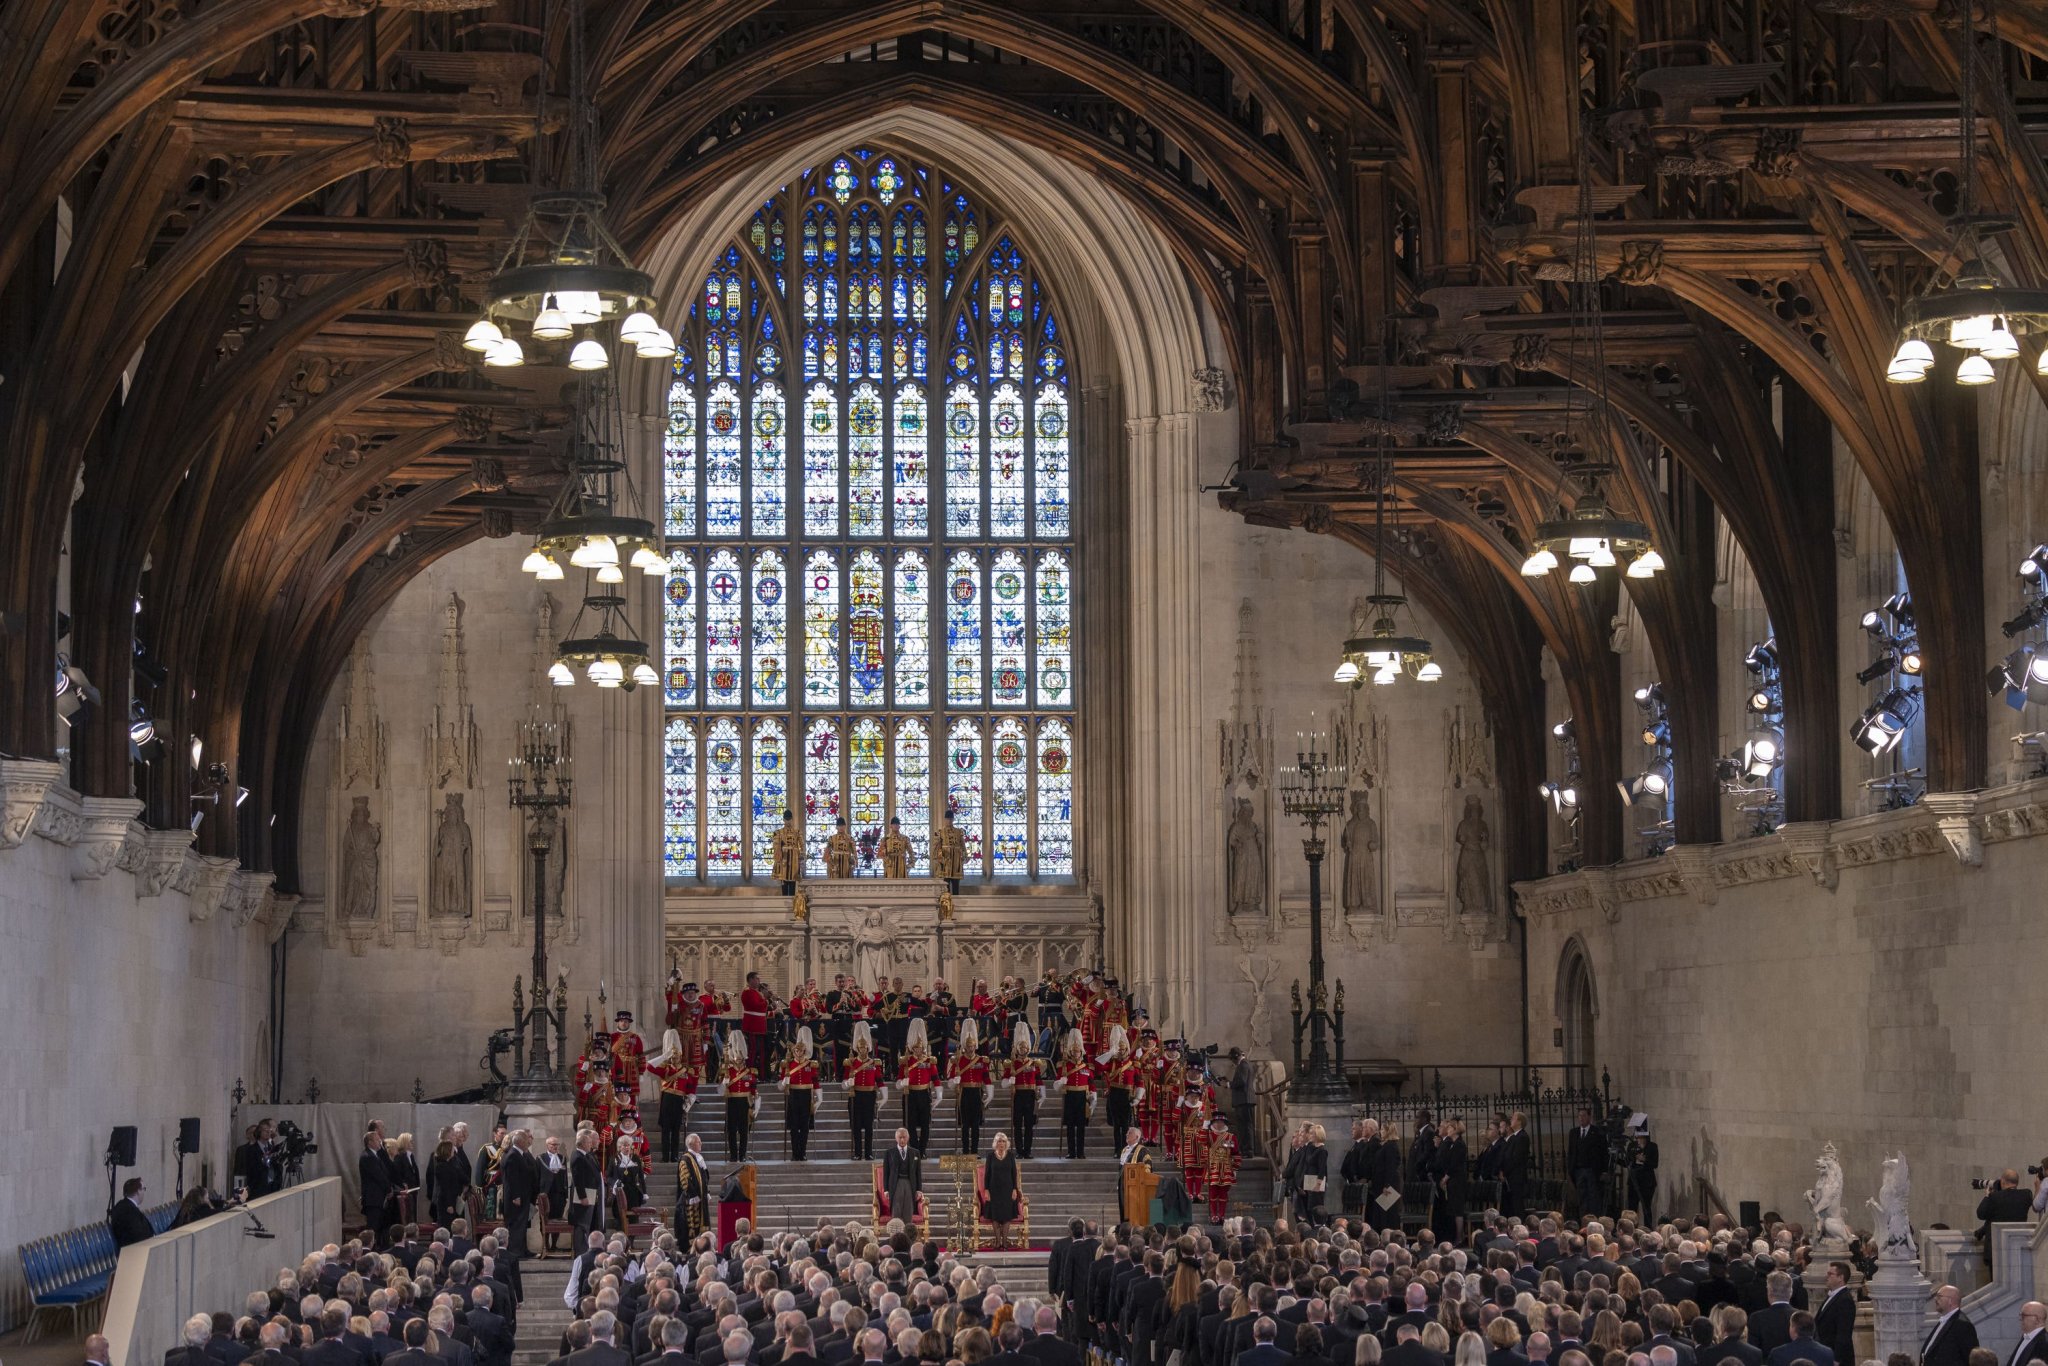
[[132, 991], [1860, 983], [428, 711]]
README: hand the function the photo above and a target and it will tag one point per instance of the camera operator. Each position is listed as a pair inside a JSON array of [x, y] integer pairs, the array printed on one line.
[[2003, 1203], [256, 1165]]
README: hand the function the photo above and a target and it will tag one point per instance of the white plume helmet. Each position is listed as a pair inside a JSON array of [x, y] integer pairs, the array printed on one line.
[[863, 1037], [970, 1035], [1073, 1041], [805, 1041], [1020, 1038], [671, 1048], [735, 1049], [1119, 1042], [916, 1036]]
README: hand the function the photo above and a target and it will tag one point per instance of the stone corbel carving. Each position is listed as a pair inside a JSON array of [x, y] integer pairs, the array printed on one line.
[[1696, 871], [1208, 386], [161, 853], [1955, 816], [247, 892], [1809, 844], [277, 913], [104, 838], [203, 878], [24, 783], [1600, 882]]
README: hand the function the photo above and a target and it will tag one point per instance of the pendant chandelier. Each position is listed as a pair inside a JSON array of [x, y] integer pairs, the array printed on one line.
[[1590, 535], [1976, 313], [1386, 654], [596, 526], [565, 277]]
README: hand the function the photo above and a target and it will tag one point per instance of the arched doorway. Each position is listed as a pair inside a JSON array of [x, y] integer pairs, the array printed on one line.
[[1578, 1006]]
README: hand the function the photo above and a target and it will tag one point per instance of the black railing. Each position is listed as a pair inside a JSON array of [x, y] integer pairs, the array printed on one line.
[[1377, 1078], [1550, 1111]]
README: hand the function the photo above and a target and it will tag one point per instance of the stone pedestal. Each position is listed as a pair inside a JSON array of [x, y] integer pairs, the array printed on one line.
[[1899, 1298], [546, 1116]]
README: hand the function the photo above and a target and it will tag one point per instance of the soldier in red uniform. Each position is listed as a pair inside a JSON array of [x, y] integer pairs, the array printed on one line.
[[1025, 1072], [1194, 1160], [754, 1023], [593, 1080], [800, 1081], [1120, 1080], [690, 1013], [916, 1077], [1222, 1166], [971, 1072], [1156, 1070], [742, 1099], [1077, 1101], [863, 1080], [677, 1077], [629, 1059], [1191, 1118]]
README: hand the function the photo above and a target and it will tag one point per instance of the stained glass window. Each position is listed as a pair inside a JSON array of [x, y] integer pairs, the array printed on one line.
[[769, 637], [868, 481], [914, 791], [867, 769], [771, 791], [679, 798], [724, 799], [913, 631], [724, 609], [821, 792]]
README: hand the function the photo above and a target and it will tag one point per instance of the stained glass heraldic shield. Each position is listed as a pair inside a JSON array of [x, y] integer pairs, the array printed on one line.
[[867, 493]]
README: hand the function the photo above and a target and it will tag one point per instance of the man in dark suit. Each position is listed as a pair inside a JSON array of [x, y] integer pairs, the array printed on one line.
[[330, 1350], [1663, 1332], [2004, 1203], [1586, 1159], [490, 1336], [127, 1219], [1514, 1164], [373, 1173], [1263, 1351], [1771, 1326], [1671, 1283], [1803, 1346], [381, 1341], [1074, 1282], [198, 1329], [1008, 1340], [415, 1353], [1409, 1351], [1730, 1349], [520, 1181], [1953, 1337], [1045, 1346], [1422, 1148], [1144, 1312], [1415, 1313], [586, 1187], [1056, 1259], [1835, 1323], [2033, 1343], [602, 1351]]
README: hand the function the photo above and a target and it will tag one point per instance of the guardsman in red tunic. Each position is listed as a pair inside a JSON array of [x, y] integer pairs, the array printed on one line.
[[629, 1131], [1222, 1173], [1077, 1101], [754, 1023], [1194, 1159], [677, 1077], [742, 1098], [863, 1081], [1191, 1119], [1026, 1073], [916, 1077], [690, 1015], [594, 1080], [976, 1079], [1120, 1080], [1154, 1070], [629, 1059], [800, 1080]]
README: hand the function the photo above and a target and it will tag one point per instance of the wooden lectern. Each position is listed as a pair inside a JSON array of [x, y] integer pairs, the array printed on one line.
[[1138, 1183]]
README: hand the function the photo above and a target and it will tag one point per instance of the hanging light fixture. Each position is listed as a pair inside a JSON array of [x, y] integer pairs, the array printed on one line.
[[1591, 536], [1386, 654], [608, 652], [1976, 312], [564, 272]]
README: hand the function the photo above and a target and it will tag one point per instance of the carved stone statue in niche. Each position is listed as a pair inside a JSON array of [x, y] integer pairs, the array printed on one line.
[[1247, 854], [359, 864], [1475, 878], [1361, 858], [450, 886]]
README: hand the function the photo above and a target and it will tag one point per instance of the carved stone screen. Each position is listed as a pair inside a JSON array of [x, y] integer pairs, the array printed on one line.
[[867, 495]]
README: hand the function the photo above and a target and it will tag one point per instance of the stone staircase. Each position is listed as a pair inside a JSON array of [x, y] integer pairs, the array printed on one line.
[[542, 1316]]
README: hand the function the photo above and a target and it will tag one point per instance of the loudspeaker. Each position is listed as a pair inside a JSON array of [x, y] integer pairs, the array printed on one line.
[[188, 1135], [121, 1147], [1751, 1214]]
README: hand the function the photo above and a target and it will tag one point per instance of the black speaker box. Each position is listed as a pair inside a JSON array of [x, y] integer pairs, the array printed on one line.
[[1751, 1214], [188, 1135], [121, 1147]]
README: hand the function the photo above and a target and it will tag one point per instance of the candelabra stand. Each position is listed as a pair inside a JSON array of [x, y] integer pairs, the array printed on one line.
[[1312, 789], [540, 787]]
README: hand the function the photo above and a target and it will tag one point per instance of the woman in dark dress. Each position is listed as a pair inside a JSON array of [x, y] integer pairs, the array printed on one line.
[[405, 1170], [447, 1179], [1001, 1195]]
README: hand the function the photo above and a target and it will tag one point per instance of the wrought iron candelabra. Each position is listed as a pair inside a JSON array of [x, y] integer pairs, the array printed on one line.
[[1312, 789], [540, 787]]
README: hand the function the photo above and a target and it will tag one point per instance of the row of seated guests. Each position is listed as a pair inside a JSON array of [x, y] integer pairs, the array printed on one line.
[[837, 1296], [433, 1299], [1546, 1293]]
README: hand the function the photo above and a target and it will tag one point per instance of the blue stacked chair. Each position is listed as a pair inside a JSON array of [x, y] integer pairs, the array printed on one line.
[[71, 1271]]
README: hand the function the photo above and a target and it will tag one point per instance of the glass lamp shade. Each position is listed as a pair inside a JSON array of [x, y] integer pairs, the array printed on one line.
[[1971, 332], [644, 675], [658, 346], [1902, 373], [1602, 556], [1975, 370], [561, 675], [610, 573], [534, 563], [1430, 672], [1915, 352], [648, 560], [1347, 672], [588, 354], [636, 326], [550, 570], [551, 323], [1386, 677], [594, 552], [2000, 345], [1583, 574], [1538, 564], [504, 353], [581, 306], [482, 335], [2041, 365]]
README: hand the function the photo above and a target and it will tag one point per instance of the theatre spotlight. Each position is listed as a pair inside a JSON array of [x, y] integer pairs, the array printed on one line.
[[1883, 724], [2029, 617], [1876, 669], [2036, 563], [1762, 656], [1649, 787], [1761, 755]]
